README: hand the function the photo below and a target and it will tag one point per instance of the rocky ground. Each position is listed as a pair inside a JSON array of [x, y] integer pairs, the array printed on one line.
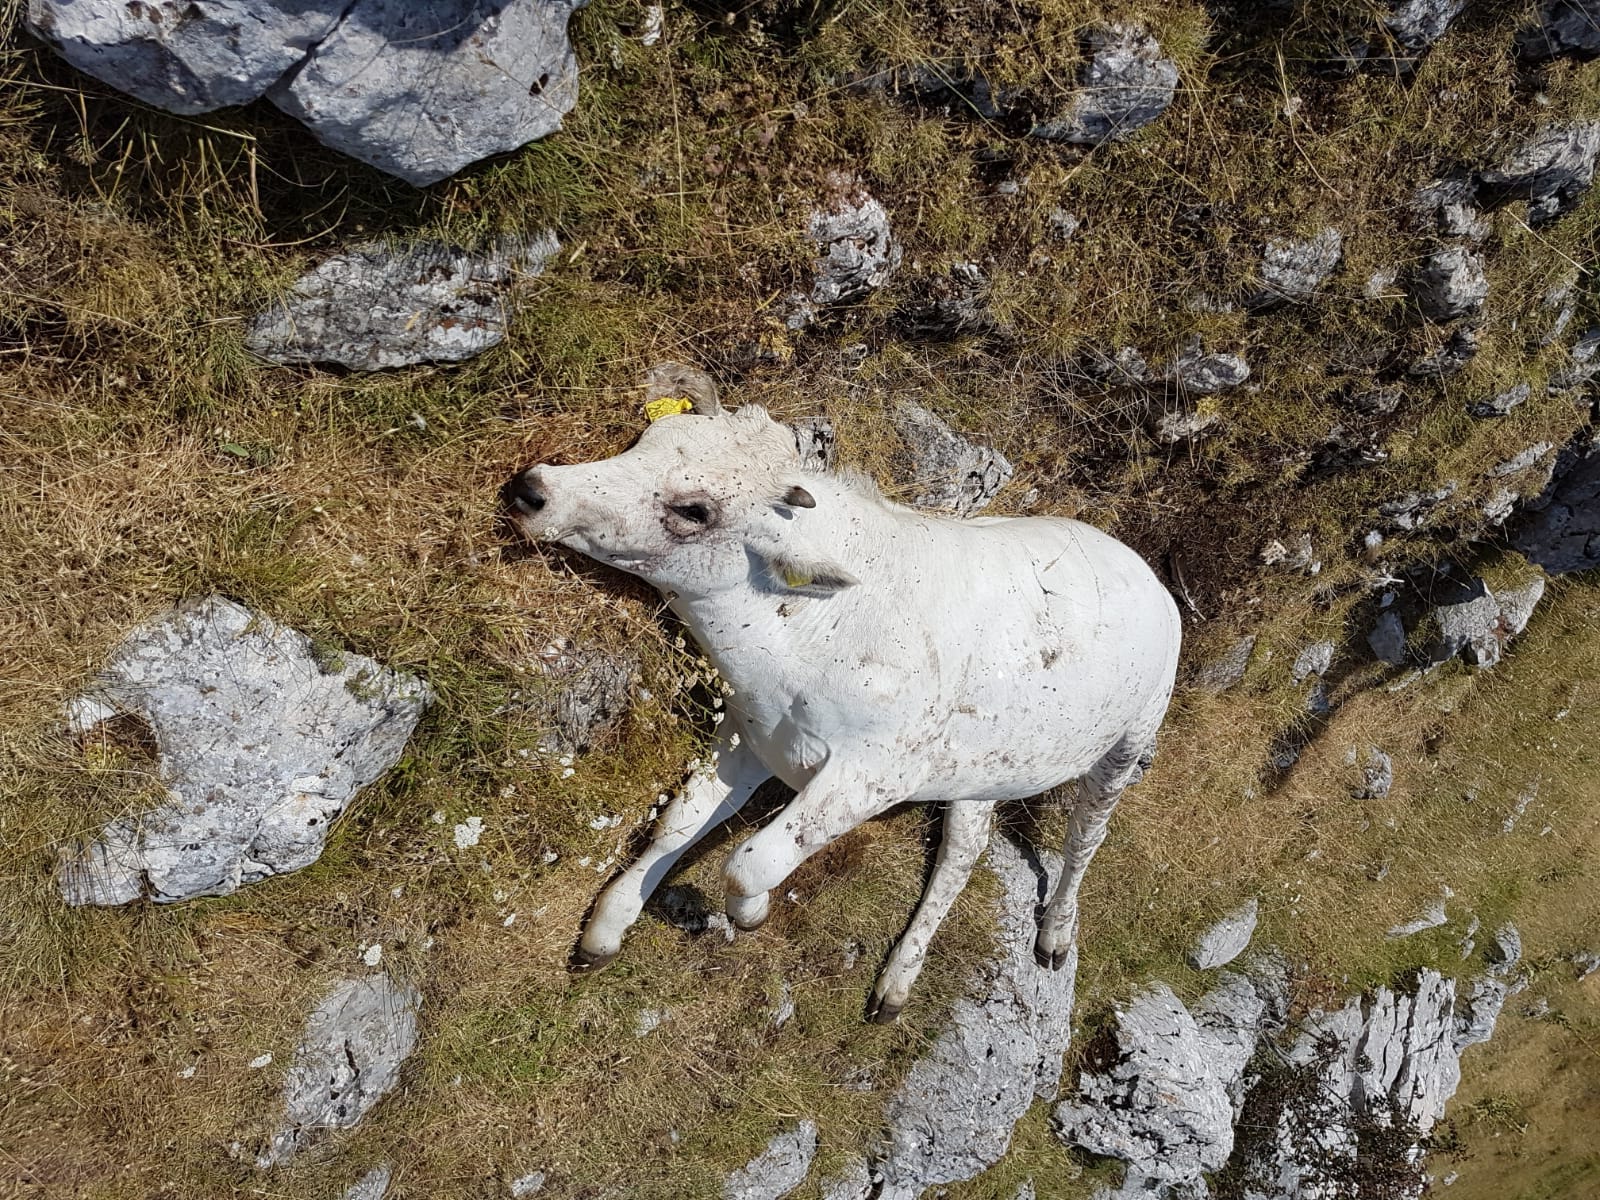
[[309, 771]]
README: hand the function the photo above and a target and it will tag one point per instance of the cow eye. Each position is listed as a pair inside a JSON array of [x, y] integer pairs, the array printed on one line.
[[696, 514]]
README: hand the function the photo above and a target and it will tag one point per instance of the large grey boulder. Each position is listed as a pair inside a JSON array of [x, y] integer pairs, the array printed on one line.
[[1566, 28], [422, 90], [953, 1115], [857, 251], [263, 740], [1124, 84], [348, 1059], [185, 58], [1166, 1102], [948, 471], [1225, 940], [778, 1169], [376, 306], [417, 89], [1450, 284], [1550, 170]]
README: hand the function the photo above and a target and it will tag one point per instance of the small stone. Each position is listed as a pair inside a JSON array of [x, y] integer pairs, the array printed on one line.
[[1063, 224], [777, 1170], [377, 306], [1226, 939], [348, 1059], [1377, 775], [1431, 918], [1504, 951], [1585, 963], [1315, 659], [1521, 461], [530, 1184], [1376, 401], [1517, 605], [1197, 373], [370, 1186], [1174, 427], [1418, 24], [1292, 269], [1225, 672], [857, 251], [1123, 86], [1450, 283], [953, 474], [952, 304], [1457, 350], [1501, 403], [1380, 283]]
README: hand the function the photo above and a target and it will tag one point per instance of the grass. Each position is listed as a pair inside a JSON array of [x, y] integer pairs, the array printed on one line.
[[147, 456]]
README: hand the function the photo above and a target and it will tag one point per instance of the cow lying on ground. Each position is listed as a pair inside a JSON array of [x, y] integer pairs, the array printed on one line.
[[877, 655]]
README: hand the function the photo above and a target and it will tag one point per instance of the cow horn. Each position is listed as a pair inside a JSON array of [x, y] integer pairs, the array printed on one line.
[[675, 379]]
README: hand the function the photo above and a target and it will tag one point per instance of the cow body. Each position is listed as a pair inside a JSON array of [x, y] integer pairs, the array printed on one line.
[[876, 655]]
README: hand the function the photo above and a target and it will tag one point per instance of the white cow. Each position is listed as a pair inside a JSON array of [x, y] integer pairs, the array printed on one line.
[[877, 655]]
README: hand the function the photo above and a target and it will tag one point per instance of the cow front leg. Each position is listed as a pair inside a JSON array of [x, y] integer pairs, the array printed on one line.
[[1098, 793], [966, 833], [825, 810], [705, 801]]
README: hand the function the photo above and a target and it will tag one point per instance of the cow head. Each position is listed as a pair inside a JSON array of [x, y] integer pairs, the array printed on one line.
[[705, 501]]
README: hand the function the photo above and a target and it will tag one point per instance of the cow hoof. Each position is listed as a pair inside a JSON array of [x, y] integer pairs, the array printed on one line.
[[880, 1013], [584, 961], [748, 913], [749, 926]]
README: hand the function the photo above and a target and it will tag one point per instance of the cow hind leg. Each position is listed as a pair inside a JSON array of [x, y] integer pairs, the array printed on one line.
[[704, 802], [1098, 792], [966, 833]]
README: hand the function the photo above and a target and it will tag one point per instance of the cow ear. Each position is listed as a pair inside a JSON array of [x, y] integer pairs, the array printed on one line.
[[810, 576]]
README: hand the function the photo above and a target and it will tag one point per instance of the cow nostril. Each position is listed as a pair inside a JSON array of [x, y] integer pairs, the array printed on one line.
[[527, 495]]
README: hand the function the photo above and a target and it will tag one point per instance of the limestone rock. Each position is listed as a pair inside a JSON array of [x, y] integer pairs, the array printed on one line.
[[181, 57], [1521, 461], [377, 306], [418, 90], [1160, 1104], [1430, 918], [1183, 426], [1566, 28], [1501, 403], [1228, 670], [1583, 363], [348, 1059], [370, 1186], [1560, 530], [1123, 86], [1550, 170], [1453, 354], [952, 1117], [422, 90], [778, 1169], [856, 250], [1418, 24], [1450, 284], [1377, 775], [1315, 659], [950, 472], [1505, 951], [1478, 1012], [1388, 638], [1449, 207], [262, 740], [1292, 269], [1197, 373], [1226, 939]]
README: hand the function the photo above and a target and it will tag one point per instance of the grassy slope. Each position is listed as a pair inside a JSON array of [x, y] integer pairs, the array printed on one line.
[[147, 457]]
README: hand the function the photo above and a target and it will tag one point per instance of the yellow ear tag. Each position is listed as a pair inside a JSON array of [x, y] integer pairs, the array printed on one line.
[[666, 406], [796, 580]]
